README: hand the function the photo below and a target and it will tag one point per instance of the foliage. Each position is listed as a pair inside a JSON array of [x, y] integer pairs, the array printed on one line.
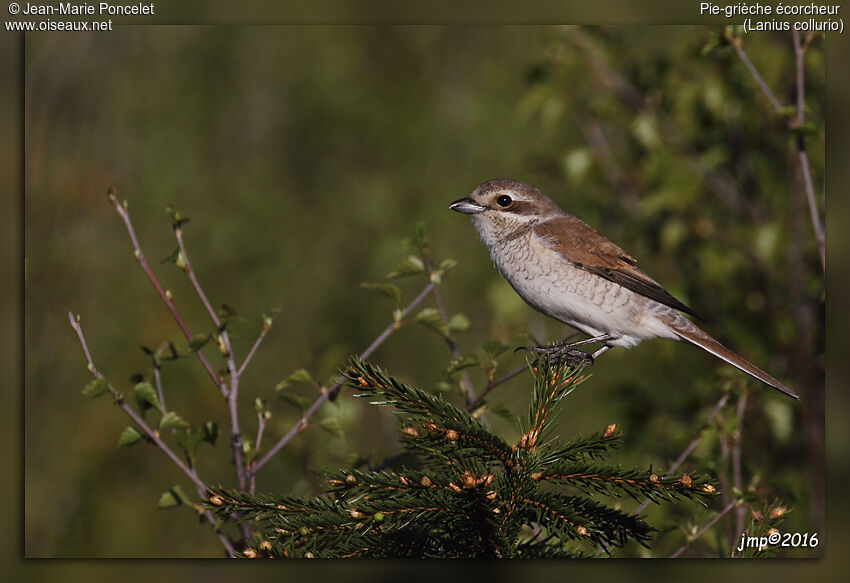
[[474, 494]]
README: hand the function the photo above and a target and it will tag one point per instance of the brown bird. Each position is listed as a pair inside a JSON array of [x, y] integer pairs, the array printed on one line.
[[567, 270]]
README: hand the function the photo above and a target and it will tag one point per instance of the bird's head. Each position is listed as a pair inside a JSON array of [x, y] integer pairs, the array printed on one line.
[[501, 207]]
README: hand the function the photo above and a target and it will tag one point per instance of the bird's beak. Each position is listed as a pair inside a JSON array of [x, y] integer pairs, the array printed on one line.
[[467, 206]]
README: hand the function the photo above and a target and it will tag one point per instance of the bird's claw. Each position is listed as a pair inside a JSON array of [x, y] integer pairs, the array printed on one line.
[[560, 354]]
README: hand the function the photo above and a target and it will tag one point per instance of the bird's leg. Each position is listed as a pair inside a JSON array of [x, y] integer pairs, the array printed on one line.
[[569, 353]]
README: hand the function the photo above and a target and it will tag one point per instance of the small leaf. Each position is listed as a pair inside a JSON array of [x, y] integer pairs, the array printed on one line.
[[431, 317], [332, 426], [96, 388], [177, 219], [167, 351], [209, 432], [172, 258], [411, 265], [129, 436], [391, 291], [461, 363], [145, 392], [445, 386], [225, 312], [173, 497], [197, 342], [297, 401], [300, 376], [172, 420], [447, 264], [806, 129], [494, 348], [459, 323]]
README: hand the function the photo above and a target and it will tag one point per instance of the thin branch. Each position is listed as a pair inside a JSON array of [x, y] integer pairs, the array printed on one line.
[[261, 426], [257, 342], [704, 529], [227, 351], [233, 393], [802, 155], [493, 384], [157, 377], [817, 225], [737, 479], [166, 296], [302, 423], [691, 446], [152, 435], [466, 384], [722, 475], [739, 50]]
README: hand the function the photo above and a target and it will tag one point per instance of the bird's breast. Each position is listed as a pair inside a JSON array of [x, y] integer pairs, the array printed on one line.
[[553, 285]]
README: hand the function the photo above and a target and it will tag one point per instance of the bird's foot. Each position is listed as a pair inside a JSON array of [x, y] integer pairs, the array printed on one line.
[[560, 354]]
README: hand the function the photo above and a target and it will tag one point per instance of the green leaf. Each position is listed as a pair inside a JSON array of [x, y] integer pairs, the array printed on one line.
[[461, 363], [173, 497], [172, 420], [430, 317], [300, 376], [96, 388], [172, 258], [332, 426], [129, 436], [198, 341], [494, 348], [391, 291], [447, 264], [177, 219], [209, 432], [806, 129], [145, 392], [410, 265], [297, 401], [459, 323]]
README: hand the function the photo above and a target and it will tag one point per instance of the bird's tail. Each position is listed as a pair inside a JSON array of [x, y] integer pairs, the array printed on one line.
[[687, 330]]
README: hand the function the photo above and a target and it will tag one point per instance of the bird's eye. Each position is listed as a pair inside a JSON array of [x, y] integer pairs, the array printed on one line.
[[504, 201]]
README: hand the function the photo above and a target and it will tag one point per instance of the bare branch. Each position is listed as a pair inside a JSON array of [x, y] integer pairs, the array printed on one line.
[[227, 351], [166, 296], [737, 479], [802, 155], [152, 435], [704, 529], [302, 423], [257, 342], [493, 384], [465, 384]]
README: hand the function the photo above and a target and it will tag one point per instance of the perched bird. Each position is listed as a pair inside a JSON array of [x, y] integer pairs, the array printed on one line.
[[567, 270]]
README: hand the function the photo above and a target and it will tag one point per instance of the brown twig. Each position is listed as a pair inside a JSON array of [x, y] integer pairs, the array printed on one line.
[[493, 384], [797, 122], [466, 384], [257, 342], [261, 425], [302, 423], [737, 479], [227, 351], [704, 529], [165, 295], [151, 434], [691, 446]]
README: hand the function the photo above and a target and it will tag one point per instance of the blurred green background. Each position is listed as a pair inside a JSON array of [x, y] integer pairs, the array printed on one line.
[[303, 155]]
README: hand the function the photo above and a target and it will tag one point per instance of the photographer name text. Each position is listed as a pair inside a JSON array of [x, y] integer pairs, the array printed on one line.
[[100, 9]]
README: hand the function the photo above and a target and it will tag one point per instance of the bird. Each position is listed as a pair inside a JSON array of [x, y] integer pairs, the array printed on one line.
[[569, 271]]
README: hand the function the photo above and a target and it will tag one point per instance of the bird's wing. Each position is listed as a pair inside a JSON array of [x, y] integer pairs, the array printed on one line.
[[587, 248]]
